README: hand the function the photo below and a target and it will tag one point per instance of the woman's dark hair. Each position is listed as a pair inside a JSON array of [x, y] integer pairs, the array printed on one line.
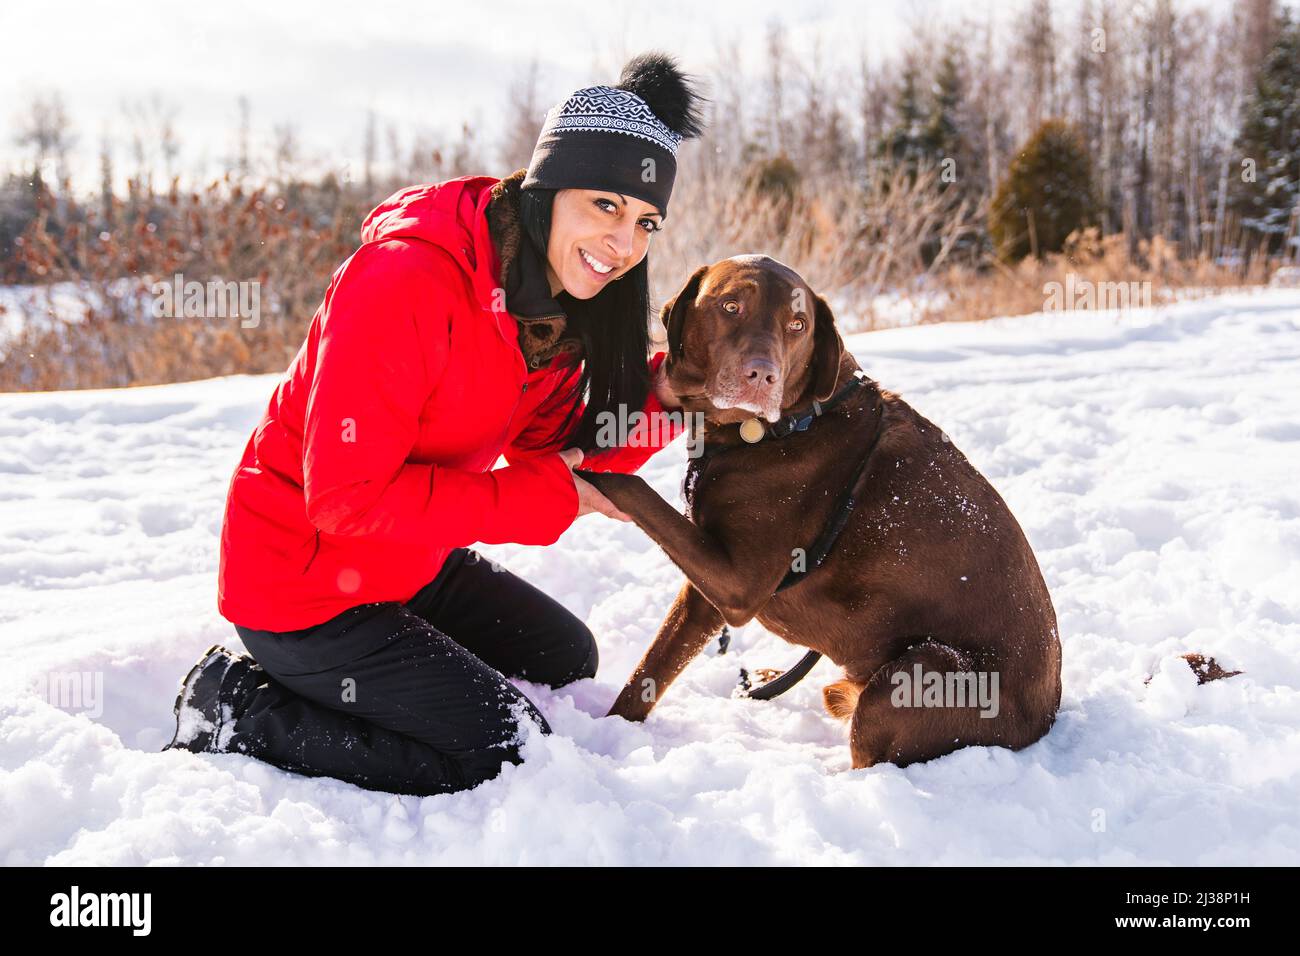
[[614, 328]]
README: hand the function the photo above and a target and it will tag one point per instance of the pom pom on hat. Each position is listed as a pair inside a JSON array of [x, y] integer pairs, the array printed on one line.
[[656, 78], [621, 138]]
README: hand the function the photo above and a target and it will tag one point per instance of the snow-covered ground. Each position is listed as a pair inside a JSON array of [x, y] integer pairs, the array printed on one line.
[[1152, 459]]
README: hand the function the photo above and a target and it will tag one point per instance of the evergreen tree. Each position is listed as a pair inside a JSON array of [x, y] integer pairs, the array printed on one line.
[[1267, 190], [943, 138], [1046, 194], [927, 128], [906, 140]]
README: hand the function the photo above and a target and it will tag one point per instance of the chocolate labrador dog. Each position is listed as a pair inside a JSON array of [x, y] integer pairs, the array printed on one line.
[[846, 523]]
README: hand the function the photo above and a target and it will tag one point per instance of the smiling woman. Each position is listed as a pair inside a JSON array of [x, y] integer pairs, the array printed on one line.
[[345, 558], [596, 237]]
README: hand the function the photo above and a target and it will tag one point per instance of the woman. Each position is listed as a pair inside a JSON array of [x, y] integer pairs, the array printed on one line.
[[470, 324]]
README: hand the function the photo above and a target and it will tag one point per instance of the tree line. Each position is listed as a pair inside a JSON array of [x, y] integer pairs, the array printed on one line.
[[1123, 133]]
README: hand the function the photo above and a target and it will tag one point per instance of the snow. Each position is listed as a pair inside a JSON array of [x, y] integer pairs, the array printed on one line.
[[1151, 458], [40, 308], [48, 307]]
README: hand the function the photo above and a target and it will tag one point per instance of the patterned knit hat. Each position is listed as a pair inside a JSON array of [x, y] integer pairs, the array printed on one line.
[[621, 138]]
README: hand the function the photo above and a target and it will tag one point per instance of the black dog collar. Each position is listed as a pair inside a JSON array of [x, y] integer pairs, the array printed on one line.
[[754, 429]]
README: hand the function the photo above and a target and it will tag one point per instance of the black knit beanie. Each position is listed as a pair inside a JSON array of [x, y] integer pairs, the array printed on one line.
[[622, 138]]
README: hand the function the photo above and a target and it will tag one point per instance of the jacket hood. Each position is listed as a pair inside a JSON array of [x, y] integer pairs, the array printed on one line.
[[475, 219], [450, 215]]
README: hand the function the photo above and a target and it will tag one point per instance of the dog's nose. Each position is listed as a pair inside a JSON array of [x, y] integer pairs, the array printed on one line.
[[761, 371]]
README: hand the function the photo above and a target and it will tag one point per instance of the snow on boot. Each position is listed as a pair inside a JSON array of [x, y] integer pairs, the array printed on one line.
[[206, 705]]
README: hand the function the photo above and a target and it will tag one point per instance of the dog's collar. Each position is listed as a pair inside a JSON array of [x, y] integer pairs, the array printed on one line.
[[753, 430], [798, 421]]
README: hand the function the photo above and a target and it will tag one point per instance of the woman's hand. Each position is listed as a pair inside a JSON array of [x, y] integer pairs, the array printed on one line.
[[589, 499], [660, 384]]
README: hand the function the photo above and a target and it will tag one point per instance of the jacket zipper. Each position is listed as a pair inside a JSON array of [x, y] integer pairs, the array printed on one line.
[[519, 401], [524, 362], [314, 552]]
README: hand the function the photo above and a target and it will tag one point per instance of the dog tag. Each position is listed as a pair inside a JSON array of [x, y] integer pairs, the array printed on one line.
[[751, 429]]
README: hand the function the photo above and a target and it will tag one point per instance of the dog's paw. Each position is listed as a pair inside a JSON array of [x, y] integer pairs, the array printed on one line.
[[752, 681]]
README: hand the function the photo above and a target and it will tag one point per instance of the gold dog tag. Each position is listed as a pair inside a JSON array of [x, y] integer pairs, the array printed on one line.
[[751, 429]]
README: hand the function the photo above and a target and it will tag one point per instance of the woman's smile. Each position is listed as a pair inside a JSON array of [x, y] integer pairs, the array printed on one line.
[[599, 268], [586, 220]]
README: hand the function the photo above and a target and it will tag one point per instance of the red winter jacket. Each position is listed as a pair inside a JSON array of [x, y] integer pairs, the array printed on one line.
[[375, 456]]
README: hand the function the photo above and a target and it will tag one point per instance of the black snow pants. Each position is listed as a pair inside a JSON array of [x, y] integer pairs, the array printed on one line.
[[413, 698]]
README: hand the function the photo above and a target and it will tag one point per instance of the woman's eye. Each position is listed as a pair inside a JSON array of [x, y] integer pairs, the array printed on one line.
[[795, 325], [608, 205]]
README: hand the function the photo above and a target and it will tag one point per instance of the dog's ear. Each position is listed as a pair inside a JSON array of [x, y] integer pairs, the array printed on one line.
[[673, 314], [828, 348]]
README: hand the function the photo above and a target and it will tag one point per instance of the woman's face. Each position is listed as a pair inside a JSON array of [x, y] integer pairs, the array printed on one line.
[[596, 236]]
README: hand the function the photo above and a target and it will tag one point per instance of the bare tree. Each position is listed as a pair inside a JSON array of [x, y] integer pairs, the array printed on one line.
[[106, 177], [523, 120], [169, 145], [775, 124], [464, 157], [1037, 49], [285, 151], [243, 160], [874, 96], [369, 149], [44, 128], [820, 132], [425, 161], [154, 141], [1110, 91]]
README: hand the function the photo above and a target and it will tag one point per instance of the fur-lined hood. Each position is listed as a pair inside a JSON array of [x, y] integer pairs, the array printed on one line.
[[462, 216], [541, 338]]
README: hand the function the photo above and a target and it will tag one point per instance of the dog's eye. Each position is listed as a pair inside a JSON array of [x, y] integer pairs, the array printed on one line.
[[795, 325], [731, 305]]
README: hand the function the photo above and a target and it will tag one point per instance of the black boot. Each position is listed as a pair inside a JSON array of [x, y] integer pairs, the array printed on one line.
[[209, 698], [228, 703]]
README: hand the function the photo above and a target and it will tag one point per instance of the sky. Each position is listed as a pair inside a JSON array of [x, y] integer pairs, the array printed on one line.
[[422, 67]]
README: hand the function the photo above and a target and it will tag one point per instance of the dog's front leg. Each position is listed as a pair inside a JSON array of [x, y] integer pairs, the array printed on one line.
[[690, 623], [739, 592]]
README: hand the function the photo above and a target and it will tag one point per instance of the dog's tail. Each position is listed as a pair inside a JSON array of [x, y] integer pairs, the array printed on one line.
[[841, 698]]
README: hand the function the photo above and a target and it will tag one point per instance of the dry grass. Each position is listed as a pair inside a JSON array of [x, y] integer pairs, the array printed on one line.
[[224, 233], [1090, 266], [903, 234], [840, 234]]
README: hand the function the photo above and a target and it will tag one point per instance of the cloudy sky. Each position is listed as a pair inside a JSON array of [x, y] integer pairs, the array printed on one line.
[[421, 66]]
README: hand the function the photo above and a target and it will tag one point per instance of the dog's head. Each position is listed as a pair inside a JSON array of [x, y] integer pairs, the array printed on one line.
[[747, 336]]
